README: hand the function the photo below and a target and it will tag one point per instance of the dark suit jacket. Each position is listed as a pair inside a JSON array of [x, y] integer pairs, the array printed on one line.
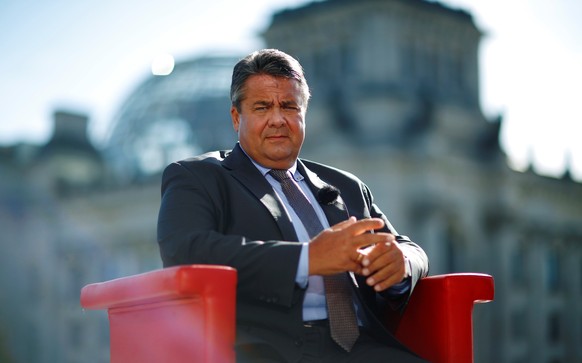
[[217, 208]]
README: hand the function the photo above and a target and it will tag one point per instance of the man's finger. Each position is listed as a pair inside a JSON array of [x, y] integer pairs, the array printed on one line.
[[365, 225], [373, 252], [386, 277], [343, 224], [369, 239]]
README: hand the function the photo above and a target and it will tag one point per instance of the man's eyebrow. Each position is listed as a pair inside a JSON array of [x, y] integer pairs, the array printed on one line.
[[263, 103], [289, 103]]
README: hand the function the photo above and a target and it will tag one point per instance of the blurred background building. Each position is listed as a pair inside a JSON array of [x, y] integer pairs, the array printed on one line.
[[395, 88]]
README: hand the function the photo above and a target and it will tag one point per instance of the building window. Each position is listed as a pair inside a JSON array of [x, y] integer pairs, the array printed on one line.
[[553, 271], [554, 328], [347, 61], [519, 324], [75, 334], [409, 59], [454, 247], [518, 267]]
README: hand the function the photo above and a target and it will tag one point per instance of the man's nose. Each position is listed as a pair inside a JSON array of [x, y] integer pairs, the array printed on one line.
[[277, 118]]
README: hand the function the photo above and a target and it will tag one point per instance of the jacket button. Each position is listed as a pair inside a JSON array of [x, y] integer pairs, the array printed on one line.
[[298, 342]]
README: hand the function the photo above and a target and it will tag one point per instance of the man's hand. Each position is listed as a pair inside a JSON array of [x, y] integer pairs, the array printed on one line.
[[335, 249], [384, 264]]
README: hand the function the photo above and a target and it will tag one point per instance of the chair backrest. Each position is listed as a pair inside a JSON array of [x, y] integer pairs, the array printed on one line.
[[181, 314]]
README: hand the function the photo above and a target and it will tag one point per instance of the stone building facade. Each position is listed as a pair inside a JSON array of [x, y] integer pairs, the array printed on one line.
[[395, 88]]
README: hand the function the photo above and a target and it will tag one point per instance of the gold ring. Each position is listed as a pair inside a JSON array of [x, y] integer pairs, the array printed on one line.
[[360, 258]]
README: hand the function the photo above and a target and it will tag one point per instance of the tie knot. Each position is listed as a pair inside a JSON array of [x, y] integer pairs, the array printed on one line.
[[279, 174]]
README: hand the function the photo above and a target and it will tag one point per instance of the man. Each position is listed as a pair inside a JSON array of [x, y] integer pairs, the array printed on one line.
[[317, 261]]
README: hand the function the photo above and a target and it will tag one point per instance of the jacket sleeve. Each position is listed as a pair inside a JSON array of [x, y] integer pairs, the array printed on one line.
[[417, 258]]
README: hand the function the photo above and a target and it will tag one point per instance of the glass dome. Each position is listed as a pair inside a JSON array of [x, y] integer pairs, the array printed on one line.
[[172, 117]]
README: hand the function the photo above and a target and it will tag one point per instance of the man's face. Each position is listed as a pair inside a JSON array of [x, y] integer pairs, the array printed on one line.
[[271, 121]]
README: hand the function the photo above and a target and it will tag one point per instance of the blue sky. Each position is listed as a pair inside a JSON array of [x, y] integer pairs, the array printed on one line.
[[88, 55]]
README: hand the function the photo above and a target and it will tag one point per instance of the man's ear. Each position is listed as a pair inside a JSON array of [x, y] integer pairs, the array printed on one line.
[[235, 116]]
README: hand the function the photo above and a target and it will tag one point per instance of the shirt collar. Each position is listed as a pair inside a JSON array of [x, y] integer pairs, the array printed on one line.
[[264, 171]]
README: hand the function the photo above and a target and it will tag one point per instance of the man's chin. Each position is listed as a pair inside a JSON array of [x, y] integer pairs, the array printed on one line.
[[281, 160]]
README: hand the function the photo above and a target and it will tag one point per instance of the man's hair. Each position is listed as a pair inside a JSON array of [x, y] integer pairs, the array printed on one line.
[[270, 62]]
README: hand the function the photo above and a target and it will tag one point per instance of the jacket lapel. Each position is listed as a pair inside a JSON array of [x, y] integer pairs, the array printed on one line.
[[336, 210], [242, 169]]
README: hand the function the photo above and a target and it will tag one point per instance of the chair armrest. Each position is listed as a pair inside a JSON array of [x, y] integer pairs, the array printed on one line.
[[437, 323], [178, 314], [159, 285]]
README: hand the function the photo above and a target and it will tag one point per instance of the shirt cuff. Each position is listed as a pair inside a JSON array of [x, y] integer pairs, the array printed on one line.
[[303, 268], [400, 288]]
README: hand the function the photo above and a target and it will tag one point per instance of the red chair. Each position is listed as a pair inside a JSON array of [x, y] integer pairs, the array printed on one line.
[[187, 314]]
